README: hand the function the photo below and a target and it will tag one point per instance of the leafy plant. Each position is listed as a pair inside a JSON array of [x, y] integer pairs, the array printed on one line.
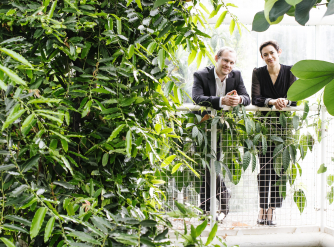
[[86, 119], [275, 10]]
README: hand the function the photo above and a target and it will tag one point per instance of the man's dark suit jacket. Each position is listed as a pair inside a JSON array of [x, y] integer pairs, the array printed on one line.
[[204, 88]]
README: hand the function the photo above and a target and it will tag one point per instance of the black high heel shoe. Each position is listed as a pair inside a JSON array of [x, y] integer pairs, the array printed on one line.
[[269, 221], [263, 219]]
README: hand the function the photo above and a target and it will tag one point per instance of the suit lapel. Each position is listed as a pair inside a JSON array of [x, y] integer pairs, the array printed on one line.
[[212, 81], [230, 81]]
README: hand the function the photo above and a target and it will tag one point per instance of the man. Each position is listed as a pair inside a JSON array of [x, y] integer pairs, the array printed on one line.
[[216, 87]]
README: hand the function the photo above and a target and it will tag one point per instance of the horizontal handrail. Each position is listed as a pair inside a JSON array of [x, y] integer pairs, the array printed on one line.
[[191, 107]]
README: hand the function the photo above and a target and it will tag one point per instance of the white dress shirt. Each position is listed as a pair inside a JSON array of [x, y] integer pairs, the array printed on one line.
[[221, 88]]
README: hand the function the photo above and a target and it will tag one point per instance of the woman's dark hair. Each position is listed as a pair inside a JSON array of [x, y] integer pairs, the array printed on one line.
[[269, 42]]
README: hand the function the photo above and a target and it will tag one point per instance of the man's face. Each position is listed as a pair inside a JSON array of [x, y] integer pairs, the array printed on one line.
[[225, 63]]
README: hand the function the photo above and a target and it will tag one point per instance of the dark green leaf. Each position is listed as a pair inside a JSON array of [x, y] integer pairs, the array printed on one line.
[[30, 163], [286, 159], [246, 160], [302, 11], [280, 8], [260, 23]]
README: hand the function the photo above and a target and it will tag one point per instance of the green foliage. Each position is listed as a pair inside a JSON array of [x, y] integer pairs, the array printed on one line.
[[313, 75], [88, 122], [274, 11]]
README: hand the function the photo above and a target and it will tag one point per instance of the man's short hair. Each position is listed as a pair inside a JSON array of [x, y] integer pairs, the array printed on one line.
[[225, 48]]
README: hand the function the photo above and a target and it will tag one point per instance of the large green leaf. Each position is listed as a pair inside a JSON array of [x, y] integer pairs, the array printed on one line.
[[115, 132], [328, 97], [11, 118], [83, 236], [221, 19], [27, 121], [293, 2], [16, 56], [200, 228], [30, 163], [12, 75], [304, 88], [286, 159], [260, 24], [6, 167], [161, 59], [330, 9], [168, 160], [212, 234], [49, 229], [7, 242], [128, 143], [280, 8], [300, 200], [37, 222], [302, 11], [308, 69], [14, 227]]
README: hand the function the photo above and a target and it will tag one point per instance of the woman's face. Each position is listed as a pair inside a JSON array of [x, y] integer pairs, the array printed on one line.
[[270, 55]]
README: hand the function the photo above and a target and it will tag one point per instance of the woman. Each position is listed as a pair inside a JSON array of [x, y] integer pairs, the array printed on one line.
[[270, 85]]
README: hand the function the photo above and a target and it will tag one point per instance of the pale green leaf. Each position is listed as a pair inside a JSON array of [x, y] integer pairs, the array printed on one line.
[[221, 19], [115, 132], [192, 56], [3, 86], [37, 222], [322, 169], [27, 121], [204, 8], [64, 144], [49, 229], [161, 59], [43, 100], [16, 56], [176, 167], [232, 26], [128, 143], [168, 160], [7, 242], [11, 118], [12, 75], [212, 234]]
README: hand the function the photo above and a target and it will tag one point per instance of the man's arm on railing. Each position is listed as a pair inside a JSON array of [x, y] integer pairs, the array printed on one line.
[[198, 94]]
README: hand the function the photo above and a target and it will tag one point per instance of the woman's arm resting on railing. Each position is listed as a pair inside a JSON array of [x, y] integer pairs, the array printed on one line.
[[257, 98]]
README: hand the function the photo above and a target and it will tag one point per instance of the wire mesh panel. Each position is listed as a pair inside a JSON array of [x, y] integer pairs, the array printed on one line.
[[329, 173], [267, 181]]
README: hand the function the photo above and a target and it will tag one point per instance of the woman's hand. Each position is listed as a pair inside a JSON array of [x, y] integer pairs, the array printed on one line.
[[279, 103]]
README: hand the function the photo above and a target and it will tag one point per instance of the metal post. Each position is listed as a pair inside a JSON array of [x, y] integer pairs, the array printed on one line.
[[213, 172], [323, 175]]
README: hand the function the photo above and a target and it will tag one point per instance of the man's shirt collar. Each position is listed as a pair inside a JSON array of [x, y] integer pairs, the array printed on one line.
[[216, 76]]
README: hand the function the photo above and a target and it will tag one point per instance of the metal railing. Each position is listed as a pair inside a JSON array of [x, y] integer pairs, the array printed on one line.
[[244, 203]]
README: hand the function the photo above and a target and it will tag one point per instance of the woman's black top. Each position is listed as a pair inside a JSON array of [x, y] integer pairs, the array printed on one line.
[[263, 88]]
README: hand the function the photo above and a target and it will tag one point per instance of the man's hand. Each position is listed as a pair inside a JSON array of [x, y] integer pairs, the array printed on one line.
[[280, 103], [231, 99]]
